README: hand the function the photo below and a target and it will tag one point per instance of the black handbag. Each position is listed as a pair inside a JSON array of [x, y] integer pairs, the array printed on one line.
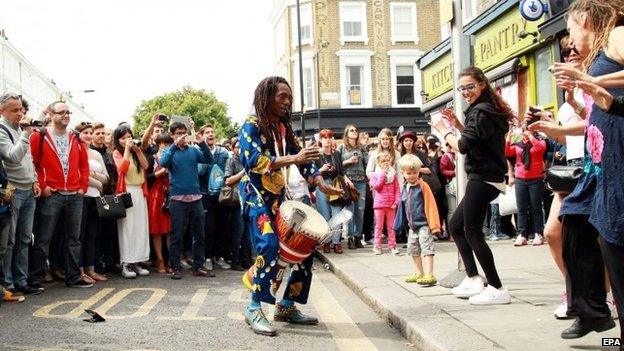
[[563, 179], [110, 206], [229, 196]]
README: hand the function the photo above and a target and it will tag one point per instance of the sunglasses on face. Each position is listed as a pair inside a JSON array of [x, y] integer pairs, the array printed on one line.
[[353, 130], [467, 87], [62, 113], [568, 51]]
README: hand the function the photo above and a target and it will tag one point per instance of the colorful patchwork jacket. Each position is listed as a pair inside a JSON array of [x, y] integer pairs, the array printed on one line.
[[263, 188]]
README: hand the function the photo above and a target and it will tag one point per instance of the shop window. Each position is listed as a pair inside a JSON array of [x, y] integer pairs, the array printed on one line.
[[544, 81]]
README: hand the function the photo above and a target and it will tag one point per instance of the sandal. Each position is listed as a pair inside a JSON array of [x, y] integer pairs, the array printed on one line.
[[160, 267], [96, 276]]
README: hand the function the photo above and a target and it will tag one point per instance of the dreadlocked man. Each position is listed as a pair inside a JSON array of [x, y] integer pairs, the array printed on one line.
[[267, 144]]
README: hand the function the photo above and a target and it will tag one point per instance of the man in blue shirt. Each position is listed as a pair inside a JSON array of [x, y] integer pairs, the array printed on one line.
[[181, 159]]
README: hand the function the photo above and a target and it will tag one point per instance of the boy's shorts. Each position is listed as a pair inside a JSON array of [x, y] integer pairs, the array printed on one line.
[[420, 242]]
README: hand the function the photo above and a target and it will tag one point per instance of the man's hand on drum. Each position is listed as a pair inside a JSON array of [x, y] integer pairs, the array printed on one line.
[[327, 189], [307, 154]]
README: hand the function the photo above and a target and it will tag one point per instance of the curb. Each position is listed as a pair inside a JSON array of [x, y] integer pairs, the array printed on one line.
[[406, 321]]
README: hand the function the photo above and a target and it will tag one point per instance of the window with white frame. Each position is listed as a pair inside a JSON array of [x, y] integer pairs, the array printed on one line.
[[306, 24], [405, 85], [405, 78], [353, 22], [355, 78], [354, 85], [469, 10], [403, 22], [308, 88]]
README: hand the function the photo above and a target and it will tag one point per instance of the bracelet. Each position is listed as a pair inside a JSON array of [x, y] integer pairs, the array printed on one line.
[[447, 134], [579, 109]]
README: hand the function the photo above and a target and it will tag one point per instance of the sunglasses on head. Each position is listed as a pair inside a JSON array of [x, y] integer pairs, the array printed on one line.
[[85, 124]]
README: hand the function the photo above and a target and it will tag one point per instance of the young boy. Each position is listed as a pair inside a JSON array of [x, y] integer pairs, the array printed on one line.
[[418, 210]]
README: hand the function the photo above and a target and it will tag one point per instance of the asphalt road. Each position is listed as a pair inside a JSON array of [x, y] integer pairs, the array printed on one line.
[[157, 313]]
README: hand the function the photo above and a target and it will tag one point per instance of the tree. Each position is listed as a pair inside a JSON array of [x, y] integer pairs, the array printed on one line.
[[202, 106]]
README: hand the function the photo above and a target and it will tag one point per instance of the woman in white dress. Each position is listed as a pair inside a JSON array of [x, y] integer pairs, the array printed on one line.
[[133, 229]]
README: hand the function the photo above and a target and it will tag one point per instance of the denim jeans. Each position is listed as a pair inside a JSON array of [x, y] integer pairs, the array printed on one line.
[[15, 265], [182, 213], [357, 223], [529, 199], [326, 210], [53, 207]]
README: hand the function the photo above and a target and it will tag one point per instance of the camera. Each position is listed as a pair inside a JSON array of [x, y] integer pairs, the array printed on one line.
[[137, 142], [163, 117], [33, 123]]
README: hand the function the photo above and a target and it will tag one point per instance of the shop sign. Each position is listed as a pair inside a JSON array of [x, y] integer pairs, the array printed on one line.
[[438, 77], [504, 39]]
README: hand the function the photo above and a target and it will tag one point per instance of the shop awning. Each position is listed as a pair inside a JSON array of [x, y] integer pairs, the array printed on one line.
[[438, 101], [553, 26], [506, 68]]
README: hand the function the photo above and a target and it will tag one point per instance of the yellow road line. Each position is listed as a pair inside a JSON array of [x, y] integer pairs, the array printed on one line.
[[344, 331], [191, 313]]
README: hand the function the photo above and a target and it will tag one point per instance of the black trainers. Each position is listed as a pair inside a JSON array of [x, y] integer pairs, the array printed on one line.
[[177, 274], [28, 290], [80, 284], [37, 286]]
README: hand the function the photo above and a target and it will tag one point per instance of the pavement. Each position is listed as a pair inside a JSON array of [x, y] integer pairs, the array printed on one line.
[[156, 313], [432, 318]]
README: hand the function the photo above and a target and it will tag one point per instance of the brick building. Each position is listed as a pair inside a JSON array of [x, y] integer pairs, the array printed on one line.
[[358, 60]]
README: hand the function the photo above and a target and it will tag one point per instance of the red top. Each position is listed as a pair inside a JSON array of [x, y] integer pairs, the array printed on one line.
[[123, 166], [447, 166], [49, 167], [537, 159]]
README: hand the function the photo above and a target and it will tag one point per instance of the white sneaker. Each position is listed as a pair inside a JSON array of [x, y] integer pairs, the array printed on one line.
[[395, 252], [611, 304], [140, 270], [208, 264], [469, 287], [127, 272], [377, 251], [222, 264], [562, 311], [364, 242], [491, 296], [520, 241], [538, 240]]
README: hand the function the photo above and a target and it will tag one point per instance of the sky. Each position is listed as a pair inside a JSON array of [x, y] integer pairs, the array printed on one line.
[[132, 50]]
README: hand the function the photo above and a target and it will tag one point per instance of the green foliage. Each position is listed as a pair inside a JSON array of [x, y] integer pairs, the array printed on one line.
[[202, 106]]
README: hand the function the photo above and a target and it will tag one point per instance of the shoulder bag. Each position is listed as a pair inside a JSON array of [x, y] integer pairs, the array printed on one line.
[[110, 206]]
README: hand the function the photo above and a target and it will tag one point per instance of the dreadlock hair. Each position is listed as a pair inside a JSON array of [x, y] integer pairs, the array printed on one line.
[[263, 100], [493, 96], [603, 17]]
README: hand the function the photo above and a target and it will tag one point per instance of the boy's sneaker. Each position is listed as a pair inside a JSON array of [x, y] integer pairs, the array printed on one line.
[[395, 251], [520, 241], [127, 272], [413, 278], [538, 240], [469, 287], [427, 280], [491, 296], [377, 251], [140, 270], [562, 311]]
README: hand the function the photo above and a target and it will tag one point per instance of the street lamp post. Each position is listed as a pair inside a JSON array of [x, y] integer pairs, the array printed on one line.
[[318, 83], [303, 136]]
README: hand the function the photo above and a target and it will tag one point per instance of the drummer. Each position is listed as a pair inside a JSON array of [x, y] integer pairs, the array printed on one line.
[[268, 148]]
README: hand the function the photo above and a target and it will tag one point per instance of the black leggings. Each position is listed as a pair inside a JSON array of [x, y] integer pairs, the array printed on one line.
[[613, 255], [466, 228]]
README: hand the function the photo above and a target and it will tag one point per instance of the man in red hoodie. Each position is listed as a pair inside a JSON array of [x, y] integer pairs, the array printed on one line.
[[62, 167]]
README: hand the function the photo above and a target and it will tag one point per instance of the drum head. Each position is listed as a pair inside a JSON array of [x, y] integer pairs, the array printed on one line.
[[314, 224]]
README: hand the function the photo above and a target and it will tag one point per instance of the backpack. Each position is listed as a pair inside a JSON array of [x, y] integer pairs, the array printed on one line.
[[216, 180]]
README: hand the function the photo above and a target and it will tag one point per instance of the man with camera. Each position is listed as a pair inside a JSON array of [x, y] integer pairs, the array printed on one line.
[[15, 131], [182, 159], [63, 156]]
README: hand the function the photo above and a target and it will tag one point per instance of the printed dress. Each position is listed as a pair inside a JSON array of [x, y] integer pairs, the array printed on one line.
[[262, 191]]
